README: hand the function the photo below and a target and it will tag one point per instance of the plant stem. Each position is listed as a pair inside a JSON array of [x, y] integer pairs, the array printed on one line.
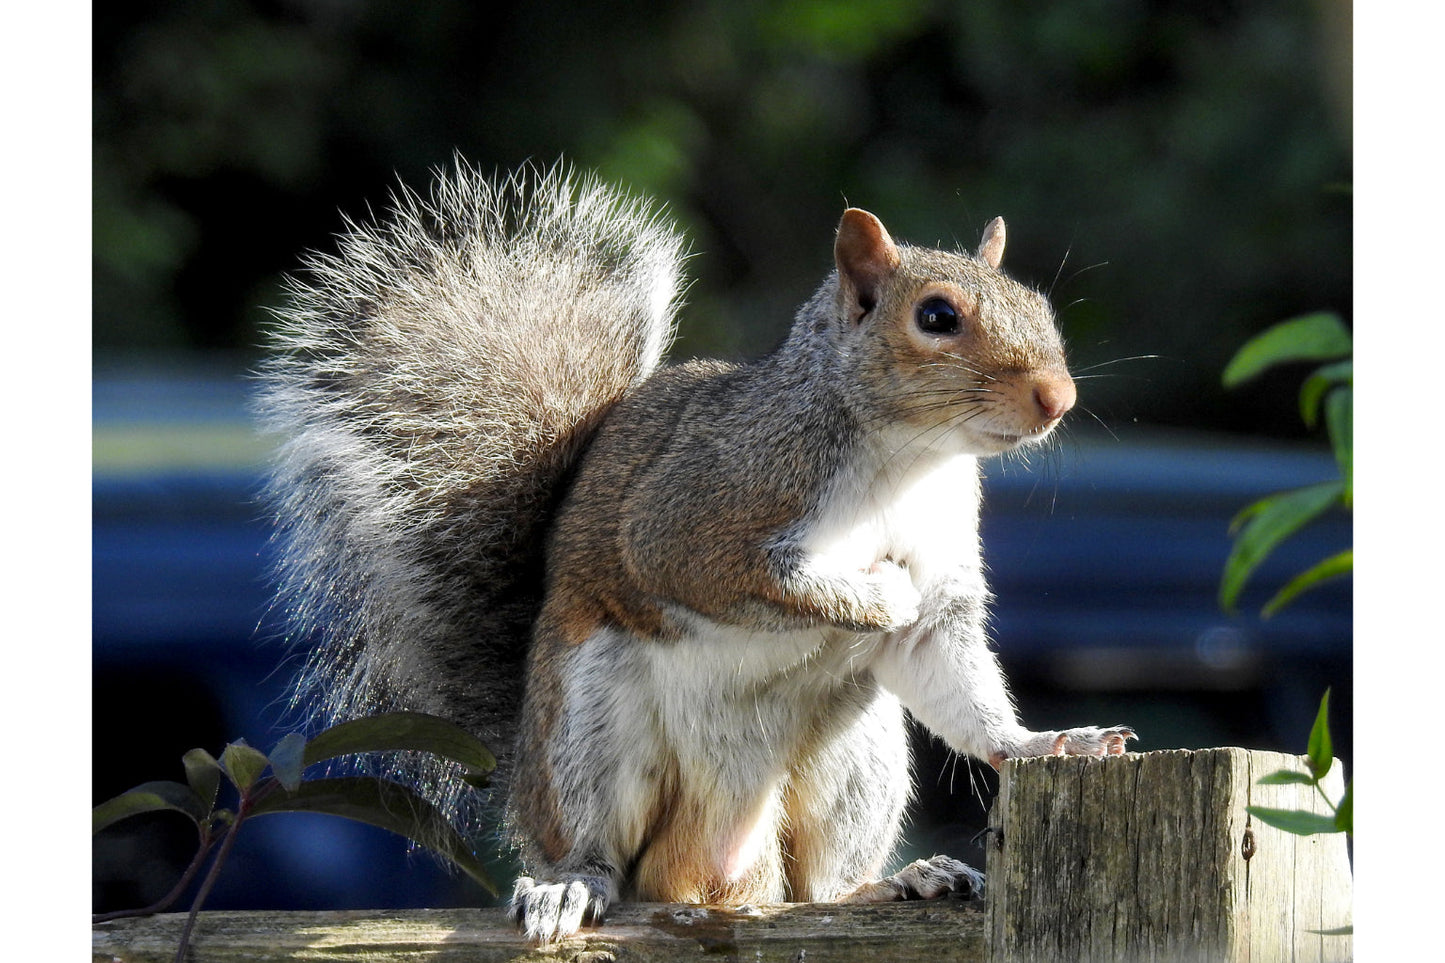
[[227, 841], [165, 901]]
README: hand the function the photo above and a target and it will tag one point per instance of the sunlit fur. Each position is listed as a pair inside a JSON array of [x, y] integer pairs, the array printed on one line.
[[430, 385], [736, 579], [757, 569]]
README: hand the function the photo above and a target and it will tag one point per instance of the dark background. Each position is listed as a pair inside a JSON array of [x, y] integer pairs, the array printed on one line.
[[1176, 175]]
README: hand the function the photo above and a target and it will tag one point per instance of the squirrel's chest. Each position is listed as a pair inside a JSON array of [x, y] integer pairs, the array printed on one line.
[[922, 517]]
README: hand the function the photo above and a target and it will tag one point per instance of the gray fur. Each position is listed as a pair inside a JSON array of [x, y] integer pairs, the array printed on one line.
[[751, 571], [431, 385]]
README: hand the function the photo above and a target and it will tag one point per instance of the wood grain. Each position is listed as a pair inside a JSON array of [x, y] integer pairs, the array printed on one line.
[[1141, 857]]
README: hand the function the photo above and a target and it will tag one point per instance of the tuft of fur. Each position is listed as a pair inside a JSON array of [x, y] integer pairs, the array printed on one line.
[[432, 384]]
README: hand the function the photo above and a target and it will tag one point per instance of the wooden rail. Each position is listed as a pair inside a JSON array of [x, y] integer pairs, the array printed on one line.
[[946, 930]]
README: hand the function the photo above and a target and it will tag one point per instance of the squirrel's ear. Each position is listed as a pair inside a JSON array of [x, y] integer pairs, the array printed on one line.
[[866, 256], [991, 247]]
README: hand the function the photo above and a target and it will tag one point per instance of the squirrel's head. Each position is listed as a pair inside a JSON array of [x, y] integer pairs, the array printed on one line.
[[948, 347]]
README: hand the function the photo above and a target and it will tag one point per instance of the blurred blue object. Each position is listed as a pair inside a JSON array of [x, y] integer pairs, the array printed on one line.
[[1105, 558]]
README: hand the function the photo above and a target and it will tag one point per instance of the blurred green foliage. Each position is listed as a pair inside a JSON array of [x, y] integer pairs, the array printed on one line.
[[1329, 391], [1165, 168]]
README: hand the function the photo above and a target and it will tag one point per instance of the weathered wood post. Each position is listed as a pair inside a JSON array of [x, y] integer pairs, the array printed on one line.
[[1152, 857]]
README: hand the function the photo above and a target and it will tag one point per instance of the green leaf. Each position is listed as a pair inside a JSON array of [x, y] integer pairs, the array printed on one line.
[[1301, 822], [382, 803], [243, 764], [1314, 337], [1265, 524], [150, 797], [1321, 752], [286, 758], [1315, 386], [1345, 811], [1340, 419], [203, 773], [477, 780], [1337, 931], [1333, 567], [1286, 777], [407, 731]]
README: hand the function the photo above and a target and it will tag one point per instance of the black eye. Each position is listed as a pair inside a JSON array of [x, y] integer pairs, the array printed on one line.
[[936, 316]]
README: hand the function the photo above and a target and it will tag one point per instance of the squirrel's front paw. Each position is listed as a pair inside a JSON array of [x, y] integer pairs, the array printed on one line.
[[894, 599], [548, 911], [1083, 741]]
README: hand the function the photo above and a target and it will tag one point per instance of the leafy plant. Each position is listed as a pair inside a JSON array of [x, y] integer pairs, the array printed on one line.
[[378, 802], [1319, 756], [1329, 390]]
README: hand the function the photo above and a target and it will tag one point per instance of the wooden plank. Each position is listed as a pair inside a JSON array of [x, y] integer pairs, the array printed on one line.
[[946, 930], [1142, 857]]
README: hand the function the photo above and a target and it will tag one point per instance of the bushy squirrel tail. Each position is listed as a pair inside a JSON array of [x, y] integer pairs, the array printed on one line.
[[432, 384]]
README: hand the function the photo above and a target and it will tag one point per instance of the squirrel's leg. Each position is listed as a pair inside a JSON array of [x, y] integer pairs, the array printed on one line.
[[845, 806], [845, 799], [944, 671], [588, 761]]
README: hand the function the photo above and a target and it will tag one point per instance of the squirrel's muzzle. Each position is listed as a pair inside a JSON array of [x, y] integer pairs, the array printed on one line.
[[1054, 395]]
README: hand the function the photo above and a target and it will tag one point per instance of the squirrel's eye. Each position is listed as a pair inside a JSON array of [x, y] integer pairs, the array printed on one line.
[[936, 316]]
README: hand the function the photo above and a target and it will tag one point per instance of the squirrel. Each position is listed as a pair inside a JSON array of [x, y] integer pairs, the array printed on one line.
[[723, 583]]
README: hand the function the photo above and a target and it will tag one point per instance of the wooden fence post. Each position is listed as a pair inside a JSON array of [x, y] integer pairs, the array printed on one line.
[[1152, 857]]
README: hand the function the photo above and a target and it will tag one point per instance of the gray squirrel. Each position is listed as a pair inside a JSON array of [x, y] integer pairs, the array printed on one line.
[[722, 583]]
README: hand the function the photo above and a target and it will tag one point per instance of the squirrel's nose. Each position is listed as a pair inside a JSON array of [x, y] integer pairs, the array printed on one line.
[[1055, 397]]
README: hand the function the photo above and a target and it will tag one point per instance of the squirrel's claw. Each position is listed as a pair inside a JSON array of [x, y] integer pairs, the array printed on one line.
[[922, 879], [1083, 741], [549, 911]]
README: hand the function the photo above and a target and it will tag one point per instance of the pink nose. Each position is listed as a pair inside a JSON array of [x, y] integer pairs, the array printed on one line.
[[1055, 397]]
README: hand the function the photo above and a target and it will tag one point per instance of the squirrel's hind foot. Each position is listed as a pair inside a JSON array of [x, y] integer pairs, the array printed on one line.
[[922, 879], [549, 911]]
